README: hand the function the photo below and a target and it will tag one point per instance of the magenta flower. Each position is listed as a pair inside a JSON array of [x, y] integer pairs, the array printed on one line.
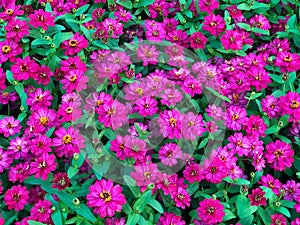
[[118, 146], [270, 182], [5, 160], [41, 211], [198, 40], [192, 126], [39, 99], [290, 104], [146, 106], [11, 11], [40, 18], [236, 117], [260, 22], [9, 49], [60, 181], [75, 44], [211, 211], [159, 8], [171, 97], [208, 5], [169, 153], [280, 155], [40, 144], [135, 147], [43, 166], [147, 54], [155, 31], [181, 197], [16, 29], [73, 64], [257, 197], [259, 78], [278, 219], [45, 117], [270, 105], [112, 114], [232, 40], [145, 174], [43, 75], [16, 198], [19, 173], [18, 148], [192, 173], [106, 198], [170, 124], [256, 126], [23, 69], [287, 61], [75, 80], [170, 218], [67, 142], [214, 24], [292, 190], [9, 126]]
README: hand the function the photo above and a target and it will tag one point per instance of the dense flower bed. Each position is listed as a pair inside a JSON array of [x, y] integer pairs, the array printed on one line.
[[149, 112]]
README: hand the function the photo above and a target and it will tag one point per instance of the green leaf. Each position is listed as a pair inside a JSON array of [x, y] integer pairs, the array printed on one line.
[[132, 186], [156, 205], [288, 204], [40, 41], [20, 90], [244, 26], [228, 215], [48, 7], [140, 204], [264, 215], [72, 171], [260, 31], [241, 181], [32, 222], [244, 209], [258, 175], [22, 116], [86, 32], [9, 76], [82, 10], [273, 129], [86, 213], [142, 3], [243, 6], [133, 218], [126, 3], [283, 211], [218, 95], [277, 78], [247, 220]]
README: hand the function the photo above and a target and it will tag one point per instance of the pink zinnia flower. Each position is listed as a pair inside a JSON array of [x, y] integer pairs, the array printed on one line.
[[123, 16], [159, 8], [192, 173], [60, 181], [181, 197], [16, 198], [11, 11], [73, 64], [23, 69], [208, 5], [232, 40], [9, 49], [135, 148], [9, 126], [292, 190], [192, 126], [118, 146], [278, 219], [5, 160], [270, 182], [45, 117], [146, 106], [43, 76], [214, 24], [280, 155], [261, 22], [256, 126], [18, 148], [75, 44], [112, 114], [16, 29], [68, 142], [169, 153], [296, 221], [290, 104], [75, 80], [198, 40], [270, 105], [147, 54], [258, 77], [170, 124], [115, 221], [39, 99], [105, 198], [40, 144], [40, 18], [145, 174], [155, 32], [19, 173], [43, 166], [41, 211], [257, 197], [287, 61], [211, 211], [170, 218], [236, 117]]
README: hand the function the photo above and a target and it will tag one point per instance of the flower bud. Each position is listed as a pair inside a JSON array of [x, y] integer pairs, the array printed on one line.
[[277, 204], [76, 201], [280, 123], [22, 108], [47, 38], [15, 83], [151, 186], [252, 174], [42, 31], [76, 156]]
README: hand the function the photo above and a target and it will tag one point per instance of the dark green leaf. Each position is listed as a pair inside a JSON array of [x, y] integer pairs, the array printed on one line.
[[156, 205], [132, 186], [86, 213], [126, 3]]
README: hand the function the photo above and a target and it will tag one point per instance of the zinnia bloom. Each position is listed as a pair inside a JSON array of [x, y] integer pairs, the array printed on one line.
[[9, 126], [75, 44], [105, 198], [43, 166], [257, 197], [41, 211], [287, 61], [280, 155], [40, 18], [16, 197], [278, 219], [290, 104], [170, 218], [211, 211], [170, 124], [169, 153], [232, 39]]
